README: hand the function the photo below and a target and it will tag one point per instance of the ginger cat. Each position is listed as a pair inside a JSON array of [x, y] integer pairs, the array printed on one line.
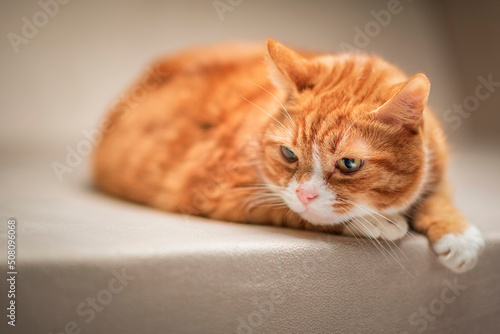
[[341, 143]]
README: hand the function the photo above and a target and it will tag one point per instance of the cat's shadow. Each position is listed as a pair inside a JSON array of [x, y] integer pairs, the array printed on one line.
[[280, 231]]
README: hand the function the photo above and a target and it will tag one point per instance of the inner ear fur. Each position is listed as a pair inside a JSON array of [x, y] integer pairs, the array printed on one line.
[[288, 69], [406, 107]]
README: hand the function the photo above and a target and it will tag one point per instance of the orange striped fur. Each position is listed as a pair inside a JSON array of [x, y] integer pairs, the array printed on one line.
[[207, 135]]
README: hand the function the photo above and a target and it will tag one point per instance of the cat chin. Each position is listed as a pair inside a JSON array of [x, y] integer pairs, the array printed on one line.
[[321, 220]]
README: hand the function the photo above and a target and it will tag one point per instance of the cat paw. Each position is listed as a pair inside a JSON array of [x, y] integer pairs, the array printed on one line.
[[460, 252], [392, 228]]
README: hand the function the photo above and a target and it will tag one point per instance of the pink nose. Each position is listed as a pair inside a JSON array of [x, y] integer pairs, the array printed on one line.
[[307, 195]]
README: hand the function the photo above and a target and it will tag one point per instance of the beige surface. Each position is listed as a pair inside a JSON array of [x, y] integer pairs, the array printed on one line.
[[198, 276]]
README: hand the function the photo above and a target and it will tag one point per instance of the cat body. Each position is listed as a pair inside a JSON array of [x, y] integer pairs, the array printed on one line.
[[341, 143]]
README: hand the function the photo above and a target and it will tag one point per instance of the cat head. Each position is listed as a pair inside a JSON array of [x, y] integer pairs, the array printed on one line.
[[348, 138]]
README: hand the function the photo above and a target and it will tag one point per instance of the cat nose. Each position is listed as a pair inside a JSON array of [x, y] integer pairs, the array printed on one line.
[[307, 194]]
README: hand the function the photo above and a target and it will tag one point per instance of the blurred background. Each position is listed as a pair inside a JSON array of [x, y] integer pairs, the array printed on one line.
[[63, 63], [61, 74]]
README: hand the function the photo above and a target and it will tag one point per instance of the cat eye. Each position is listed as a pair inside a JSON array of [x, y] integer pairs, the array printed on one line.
[[288, 154], [349, 165]]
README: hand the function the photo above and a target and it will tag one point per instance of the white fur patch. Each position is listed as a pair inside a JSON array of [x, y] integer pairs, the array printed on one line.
[[318, 211], [460, 252], [373, 226]]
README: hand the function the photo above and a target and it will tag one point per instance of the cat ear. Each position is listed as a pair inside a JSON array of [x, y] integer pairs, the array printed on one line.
[[405, 108], [288, 69]]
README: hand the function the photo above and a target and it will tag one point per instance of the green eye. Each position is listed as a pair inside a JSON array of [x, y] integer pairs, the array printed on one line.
[[349, 165], [288, 154]]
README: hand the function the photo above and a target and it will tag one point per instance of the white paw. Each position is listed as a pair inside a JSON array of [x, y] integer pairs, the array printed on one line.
[[392, 228], [460, 252]]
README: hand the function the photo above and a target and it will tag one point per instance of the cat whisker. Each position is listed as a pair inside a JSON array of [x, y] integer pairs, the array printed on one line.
[[346, 131], [261, 197], [264, 203], [361, 241], [248, 188], [267, 185], [268, 114], [370, 212], [282, 106], [372, 240], [265, 194], [275, 137], [393, 253], [382, 248], [410, 233], [256, 200], [274, 205]]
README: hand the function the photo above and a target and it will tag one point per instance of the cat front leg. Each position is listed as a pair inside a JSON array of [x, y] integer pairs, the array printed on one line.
[[389, 227], [457, 243]]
